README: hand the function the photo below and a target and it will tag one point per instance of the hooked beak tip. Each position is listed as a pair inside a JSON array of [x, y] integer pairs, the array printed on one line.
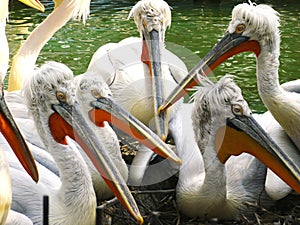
[[161, 109], [163, 138], [179, 161], [140, 220]]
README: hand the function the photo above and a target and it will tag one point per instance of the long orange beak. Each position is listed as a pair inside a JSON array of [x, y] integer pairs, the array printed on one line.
[[13, 136], [34, 4], [244, 134], [229, 45], [107, 110], [68, 121]]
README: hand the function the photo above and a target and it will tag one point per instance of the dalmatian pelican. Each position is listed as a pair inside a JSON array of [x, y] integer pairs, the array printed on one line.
[[207, 188], [141, 71], [90, 89], [254, 28], [50, 96]]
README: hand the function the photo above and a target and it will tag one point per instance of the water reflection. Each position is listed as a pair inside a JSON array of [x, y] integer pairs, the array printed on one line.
[[195, 30]]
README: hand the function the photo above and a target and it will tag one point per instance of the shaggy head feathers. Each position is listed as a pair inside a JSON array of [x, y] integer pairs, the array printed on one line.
[[262, 22], [151, 12], [214, 103], [91, 86], [217, 95], [40, 90]]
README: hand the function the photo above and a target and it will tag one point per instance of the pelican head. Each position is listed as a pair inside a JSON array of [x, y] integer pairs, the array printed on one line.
[[151, 15], [91, 86], [219, 101], [253, 28], [238, 131], [94, 92], [50, 96], [152, 18]]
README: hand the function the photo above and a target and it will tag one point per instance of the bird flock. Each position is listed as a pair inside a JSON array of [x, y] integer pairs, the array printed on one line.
[[65, 129]]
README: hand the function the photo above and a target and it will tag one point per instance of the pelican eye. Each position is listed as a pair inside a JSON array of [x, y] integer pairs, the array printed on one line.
[[240, 28], [237, 109], [96, 94], [61, 96]]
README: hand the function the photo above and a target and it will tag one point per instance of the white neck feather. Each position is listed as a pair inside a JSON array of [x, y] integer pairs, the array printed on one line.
[[24, 61], [284, 105]]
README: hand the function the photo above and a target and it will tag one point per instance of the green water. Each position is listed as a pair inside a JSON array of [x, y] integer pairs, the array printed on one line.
[[196, 27]]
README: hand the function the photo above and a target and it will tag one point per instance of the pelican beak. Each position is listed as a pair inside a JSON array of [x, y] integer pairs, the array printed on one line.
[[104, 109], [69, 121], [231, 44], [244, 134], [34, 4], [13, 136], [151, 55]]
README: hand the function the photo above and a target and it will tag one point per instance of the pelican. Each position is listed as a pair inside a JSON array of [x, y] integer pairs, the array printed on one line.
[[91, 87], [50, 96], [254, 28], [140, 71], [206, 187], [9, 128], [23, 63]]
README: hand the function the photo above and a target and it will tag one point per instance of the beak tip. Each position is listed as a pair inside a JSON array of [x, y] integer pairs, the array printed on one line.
[[36, 178], [161, 108], [179, 161], [163, 138], [140, 219]]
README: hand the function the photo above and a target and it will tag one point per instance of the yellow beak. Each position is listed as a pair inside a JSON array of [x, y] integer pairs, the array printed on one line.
[[34, 4]]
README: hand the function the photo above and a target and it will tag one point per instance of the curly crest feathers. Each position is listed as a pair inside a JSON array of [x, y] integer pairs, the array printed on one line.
[[151, 8], [262, 18], [45, 81]]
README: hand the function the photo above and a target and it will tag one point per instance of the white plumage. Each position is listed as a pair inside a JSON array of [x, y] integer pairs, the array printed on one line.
[[23, 63], [262, 25], [206, 187]]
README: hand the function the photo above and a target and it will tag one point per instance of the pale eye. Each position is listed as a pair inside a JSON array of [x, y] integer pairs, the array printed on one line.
[[240, 28], [237, 110], [61, 96], [96, 94]]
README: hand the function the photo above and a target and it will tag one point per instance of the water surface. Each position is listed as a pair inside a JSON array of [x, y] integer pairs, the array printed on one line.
[[195, 29]]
